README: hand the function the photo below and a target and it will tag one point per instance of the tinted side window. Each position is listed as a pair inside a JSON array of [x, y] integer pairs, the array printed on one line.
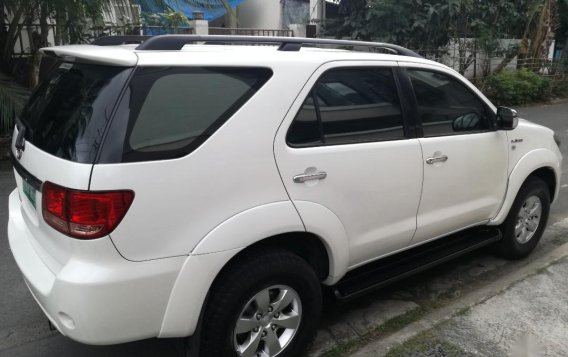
[[446, 106], [172, 111], [349, 106]]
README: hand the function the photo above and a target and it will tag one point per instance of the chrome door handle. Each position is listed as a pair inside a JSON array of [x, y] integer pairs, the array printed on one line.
[[307, 177], [433, 160]]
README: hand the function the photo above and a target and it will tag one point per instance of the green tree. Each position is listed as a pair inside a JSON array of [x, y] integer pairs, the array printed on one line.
[[410, 23], [427, 25], [12, 100], [562, 32], [174, 18], [539, 33]]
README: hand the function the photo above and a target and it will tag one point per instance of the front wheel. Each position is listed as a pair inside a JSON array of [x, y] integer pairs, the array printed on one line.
[[526, 221], [267, 304]]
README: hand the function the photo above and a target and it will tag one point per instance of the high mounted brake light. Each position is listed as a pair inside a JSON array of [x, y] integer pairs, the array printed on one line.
[[84, 214]]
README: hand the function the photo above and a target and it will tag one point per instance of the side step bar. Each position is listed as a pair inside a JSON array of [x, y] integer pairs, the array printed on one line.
[[401, 265]]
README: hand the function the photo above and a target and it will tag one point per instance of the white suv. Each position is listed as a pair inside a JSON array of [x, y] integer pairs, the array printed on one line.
[[187, 186]]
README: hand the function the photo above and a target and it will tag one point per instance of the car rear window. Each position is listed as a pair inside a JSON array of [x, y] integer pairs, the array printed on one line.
[[170, 111], [68, 113]]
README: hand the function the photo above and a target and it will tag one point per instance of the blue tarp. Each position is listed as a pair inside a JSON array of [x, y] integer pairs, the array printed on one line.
[[211, 11]]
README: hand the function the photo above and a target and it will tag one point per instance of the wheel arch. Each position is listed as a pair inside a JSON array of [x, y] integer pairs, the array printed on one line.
[[541, 163], [280, 223], [244, 234], [547, 175], [307, 246]]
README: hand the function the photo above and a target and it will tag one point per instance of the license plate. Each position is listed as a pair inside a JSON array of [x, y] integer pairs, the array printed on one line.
[[30, 193]]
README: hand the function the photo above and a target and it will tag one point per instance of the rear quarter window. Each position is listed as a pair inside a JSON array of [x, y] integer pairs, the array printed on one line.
[[172, 111]]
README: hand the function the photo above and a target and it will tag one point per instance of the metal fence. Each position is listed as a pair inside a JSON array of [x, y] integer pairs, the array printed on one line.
[[477, 66], [250, 32]]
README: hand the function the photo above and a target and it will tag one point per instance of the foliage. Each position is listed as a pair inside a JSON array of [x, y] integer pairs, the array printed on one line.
[[12, 100], [430, 24], [73, 20], [409, 23], [559, 88], [562, 32], [511, 87]]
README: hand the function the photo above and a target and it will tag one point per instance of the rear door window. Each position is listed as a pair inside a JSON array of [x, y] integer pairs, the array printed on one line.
[[349, 105], [68, 113], [171, 111]]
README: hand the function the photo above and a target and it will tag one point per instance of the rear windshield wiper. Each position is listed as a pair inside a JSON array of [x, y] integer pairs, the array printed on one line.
[[20, 142]]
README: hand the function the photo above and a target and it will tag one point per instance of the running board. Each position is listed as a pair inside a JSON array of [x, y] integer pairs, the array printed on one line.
[[401, 265]]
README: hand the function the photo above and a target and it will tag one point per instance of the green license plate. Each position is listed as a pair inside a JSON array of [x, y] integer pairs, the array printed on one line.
[[30, 193]]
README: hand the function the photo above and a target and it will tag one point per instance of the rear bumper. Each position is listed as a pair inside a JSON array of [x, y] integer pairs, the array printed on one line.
[[97, 297]]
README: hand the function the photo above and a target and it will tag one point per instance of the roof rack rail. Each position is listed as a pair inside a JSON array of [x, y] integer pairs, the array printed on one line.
[[176, 42], [120, 40]]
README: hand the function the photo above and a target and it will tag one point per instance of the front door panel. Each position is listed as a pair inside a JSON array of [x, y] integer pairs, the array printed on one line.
[[465, 189], [465, 159]]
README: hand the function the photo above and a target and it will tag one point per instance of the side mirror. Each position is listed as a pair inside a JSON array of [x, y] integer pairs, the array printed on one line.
[[507, 118]]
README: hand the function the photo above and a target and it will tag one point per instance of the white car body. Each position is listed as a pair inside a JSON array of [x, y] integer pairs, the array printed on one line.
[[192, 215]]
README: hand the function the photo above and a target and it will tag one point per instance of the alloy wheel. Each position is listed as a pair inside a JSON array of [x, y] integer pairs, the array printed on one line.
[[268, 322]]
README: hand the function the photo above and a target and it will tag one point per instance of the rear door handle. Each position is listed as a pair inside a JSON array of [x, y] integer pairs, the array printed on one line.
[[307, 177], [433, 160]]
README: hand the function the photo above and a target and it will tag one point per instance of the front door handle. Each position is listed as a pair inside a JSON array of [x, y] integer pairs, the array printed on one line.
[[433, 160], [307, 177]]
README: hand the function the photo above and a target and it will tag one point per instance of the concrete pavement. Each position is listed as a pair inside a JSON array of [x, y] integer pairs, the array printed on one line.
[[524, 310]]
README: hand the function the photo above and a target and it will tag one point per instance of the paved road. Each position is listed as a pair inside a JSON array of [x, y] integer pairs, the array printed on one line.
[[23, 327]]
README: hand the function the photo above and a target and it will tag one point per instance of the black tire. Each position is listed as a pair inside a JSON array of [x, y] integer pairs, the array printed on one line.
[[509, 247], [242, 280]]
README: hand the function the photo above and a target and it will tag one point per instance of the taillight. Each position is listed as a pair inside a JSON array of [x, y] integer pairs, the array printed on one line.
[[84, 214]]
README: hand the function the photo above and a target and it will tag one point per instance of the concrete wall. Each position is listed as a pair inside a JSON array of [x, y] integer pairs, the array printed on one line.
[[264, 14]]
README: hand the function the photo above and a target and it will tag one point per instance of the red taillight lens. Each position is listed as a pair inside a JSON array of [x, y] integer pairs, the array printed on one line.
[[84, 214]]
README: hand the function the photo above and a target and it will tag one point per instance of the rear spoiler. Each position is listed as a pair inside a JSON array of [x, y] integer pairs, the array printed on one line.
[[120, 40], [112, 56]]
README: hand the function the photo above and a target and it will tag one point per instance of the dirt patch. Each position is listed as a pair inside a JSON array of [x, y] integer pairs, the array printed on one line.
[[427, 345]]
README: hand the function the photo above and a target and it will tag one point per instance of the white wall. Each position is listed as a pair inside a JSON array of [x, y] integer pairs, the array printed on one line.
[[264, 14]]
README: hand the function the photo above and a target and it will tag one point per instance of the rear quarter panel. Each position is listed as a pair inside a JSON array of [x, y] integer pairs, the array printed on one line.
[[178, 202]]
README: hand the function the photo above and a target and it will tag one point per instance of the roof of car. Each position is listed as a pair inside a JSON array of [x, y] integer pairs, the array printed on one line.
[[129, 55]]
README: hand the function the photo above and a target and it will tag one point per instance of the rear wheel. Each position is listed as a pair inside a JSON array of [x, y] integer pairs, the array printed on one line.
[[526, 221], [267, 304]]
